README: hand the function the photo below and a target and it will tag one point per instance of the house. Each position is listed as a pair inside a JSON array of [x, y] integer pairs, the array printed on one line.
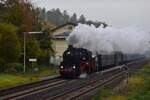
[[59, 38]]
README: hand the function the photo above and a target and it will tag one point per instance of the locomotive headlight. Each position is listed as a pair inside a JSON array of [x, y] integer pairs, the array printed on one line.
[[68, 53], [74, 67], [61, 67], [83, 58]]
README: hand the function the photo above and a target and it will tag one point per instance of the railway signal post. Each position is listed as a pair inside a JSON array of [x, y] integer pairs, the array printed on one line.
[[24, 47]]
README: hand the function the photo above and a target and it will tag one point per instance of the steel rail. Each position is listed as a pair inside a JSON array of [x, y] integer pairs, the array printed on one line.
[[76, 89]]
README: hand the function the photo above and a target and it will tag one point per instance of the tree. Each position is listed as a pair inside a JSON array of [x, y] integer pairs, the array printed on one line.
[[32, 48], [42, 14], [73, 18], [10, 49], [46, 43], [82, 19], [97, 24], [46, 47], [104, 25], [20, 13], [55, 16], [66, 16]]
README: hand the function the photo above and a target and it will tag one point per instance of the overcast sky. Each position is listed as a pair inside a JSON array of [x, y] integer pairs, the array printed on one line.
[[118, 13]]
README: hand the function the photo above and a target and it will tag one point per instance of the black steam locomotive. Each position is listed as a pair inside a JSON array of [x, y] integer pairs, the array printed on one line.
[[79, 60]]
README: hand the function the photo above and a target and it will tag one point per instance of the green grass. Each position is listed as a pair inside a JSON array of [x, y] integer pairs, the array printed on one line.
[[7, 80], [13, 79], [138, 88], [42, 72], [104, 92]]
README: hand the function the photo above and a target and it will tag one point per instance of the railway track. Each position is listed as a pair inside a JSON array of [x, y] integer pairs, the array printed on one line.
[[76, 93], [28, 88], [59, 89]]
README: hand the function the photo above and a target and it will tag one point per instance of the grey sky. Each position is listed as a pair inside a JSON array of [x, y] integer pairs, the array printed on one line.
[[118, 13]]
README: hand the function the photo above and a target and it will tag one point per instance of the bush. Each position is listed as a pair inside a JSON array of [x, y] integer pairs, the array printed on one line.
[[2, 67], [15, 67], [10, 48]]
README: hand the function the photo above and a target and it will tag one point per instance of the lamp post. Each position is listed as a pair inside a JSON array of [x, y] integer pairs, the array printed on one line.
[[24, 47]]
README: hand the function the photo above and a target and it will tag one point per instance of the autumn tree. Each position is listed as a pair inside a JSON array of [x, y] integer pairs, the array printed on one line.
[[20, 13]]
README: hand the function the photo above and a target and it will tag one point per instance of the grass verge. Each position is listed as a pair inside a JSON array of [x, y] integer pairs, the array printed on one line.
[[138, 88], [13, 79], [8, 80]]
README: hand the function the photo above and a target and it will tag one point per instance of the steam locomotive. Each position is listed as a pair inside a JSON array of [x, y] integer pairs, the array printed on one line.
[[79, 60]]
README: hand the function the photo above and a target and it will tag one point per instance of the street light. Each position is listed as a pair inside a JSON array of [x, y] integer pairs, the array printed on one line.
[[24, 36]]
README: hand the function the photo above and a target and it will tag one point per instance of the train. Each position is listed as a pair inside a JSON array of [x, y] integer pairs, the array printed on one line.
[[79, 60]]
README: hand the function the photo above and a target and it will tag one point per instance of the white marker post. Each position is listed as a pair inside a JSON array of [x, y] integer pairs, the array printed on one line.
[[32, 60]]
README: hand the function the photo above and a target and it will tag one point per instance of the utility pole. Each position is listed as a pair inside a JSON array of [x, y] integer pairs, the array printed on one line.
[[24, 62]]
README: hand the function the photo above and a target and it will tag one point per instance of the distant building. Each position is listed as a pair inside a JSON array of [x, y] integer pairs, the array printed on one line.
[[59, 37]]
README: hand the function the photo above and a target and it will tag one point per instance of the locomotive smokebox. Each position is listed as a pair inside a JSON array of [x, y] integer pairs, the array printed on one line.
[[70, 46]]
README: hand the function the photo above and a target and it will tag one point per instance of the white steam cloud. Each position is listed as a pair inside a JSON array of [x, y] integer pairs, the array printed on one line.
[[107, 40]]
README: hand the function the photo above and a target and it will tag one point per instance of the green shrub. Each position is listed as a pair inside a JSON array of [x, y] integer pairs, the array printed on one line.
[[18, 67], [14, 67]]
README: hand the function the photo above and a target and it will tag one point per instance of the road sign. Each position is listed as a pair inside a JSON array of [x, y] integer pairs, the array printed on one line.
[[32, 60]]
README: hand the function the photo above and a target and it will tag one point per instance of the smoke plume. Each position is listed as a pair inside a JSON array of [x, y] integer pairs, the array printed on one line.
[[110, 39]]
